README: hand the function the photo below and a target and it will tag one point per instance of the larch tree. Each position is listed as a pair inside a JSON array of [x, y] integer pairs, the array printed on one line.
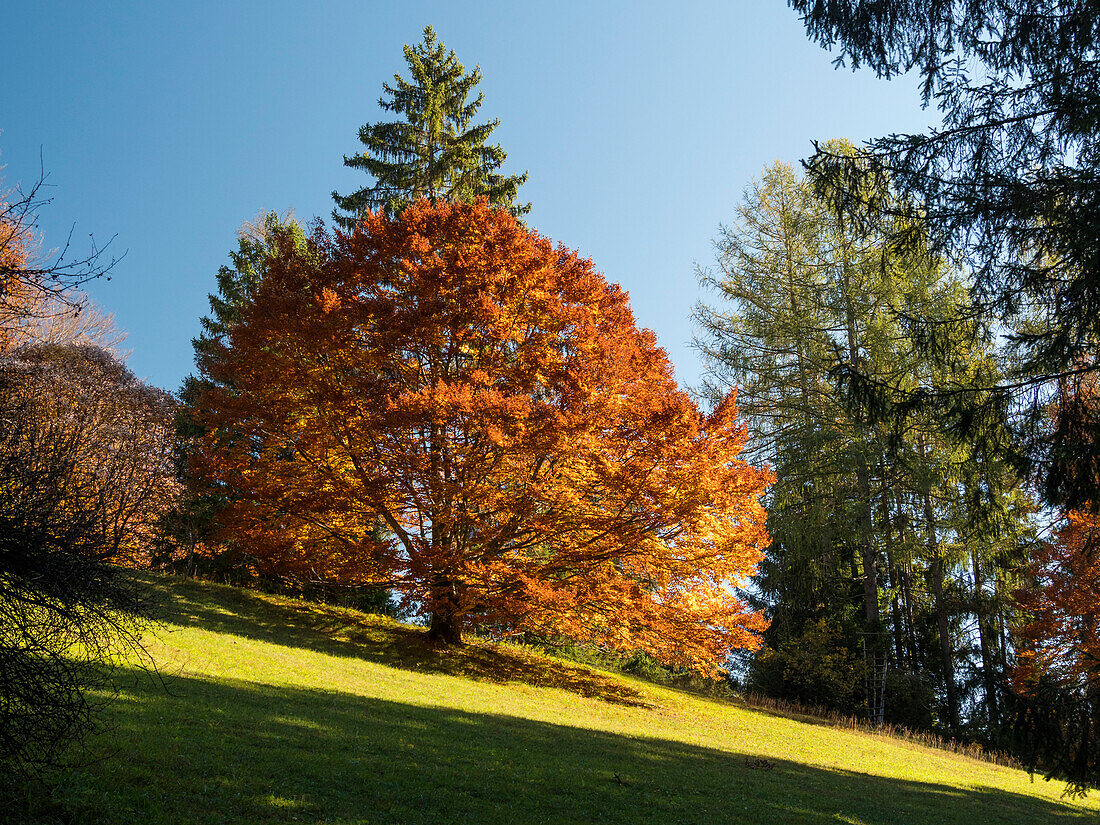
[[871, 526], [805, 293], [1009, 183], [434, 150], [488, 397], [771, 333]]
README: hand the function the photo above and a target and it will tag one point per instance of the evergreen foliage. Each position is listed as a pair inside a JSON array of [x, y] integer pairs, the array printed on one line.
[[237, 283], [888, 542], [1010, 185], [187, 528], [434, 150], [1010, 182]]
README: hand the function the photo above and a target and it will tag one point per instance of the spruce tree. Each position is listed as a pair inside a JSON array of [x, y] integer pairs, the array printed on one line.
[[433, 150], [193, 522], [237, 284], [1010, 184]]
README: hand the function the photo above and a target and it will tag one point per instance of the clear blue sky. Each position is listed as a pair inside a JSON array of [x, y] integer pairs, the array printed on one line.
[[641, 123]]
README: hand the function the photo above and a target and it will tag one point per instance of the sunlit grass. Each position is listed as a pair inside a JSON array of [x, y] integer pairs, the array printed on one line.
[[271, 710]]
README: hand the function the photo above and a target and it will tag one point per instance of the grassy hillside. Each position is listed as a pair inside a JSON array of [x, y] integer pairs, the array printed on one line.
[[271, 710]]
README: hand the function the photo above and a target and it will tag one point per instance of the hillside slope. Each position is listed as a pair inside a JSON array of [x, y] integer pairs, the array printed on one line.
[[272, 710]]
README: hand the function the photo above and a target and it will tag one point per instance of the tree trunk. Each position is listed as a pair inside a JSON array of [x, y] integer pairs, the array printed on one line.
[[892, 572], [935, 573], [988, 667], [868, 552], [910, 619], [445, 629], [939, 604], [906, 592], [446, 623], [896, 616], [907, 608], [873, 652]]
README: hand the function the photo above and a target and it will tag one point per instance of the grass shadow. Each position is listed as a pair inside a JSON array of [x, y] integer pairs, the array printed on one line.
[[344, 632], [238, 752]]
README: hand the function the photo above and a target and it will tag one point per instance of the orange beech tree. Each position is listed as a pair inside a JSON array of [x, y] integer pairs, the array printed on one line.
[[1062, 637], [1058, 654], [1058, 643], [486, 398]]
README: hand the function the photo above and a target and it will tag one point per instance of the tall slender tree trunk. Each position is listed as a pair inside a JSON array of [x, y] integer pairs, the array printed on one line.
[[863, 474], [874, 654], [936, 575], [892, 572], [874, 657], [910, 618], [999, 589], [906, 589], [943, 626], [988, 666], [867, 550]]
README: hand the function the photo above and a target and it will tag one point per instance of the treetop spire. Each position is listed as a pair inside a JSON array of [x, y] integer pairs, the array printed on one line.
[[433, 150]]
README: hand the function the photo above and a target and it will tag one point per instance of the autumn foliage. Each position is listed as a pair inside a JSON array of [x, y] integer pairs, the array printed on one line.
[[1062, 639], [17, 242], [85, 471], [448, 405], [1057, 673]]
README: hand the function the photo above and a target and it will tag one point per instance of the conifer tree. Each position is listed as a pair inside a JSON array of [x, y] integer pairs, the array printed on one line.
[[1009, 183], [189, 525], [433, 150], [884, 542], [238, 283]]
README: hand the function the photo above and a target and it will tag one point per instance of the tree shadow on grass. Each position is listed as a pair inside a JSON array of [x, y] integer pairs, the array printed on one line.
[[238, 752], [341, 632]]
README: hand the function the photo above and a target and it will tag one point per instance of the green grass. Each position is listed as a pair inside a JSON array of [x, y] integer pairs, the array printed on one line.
[[269, 710]]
